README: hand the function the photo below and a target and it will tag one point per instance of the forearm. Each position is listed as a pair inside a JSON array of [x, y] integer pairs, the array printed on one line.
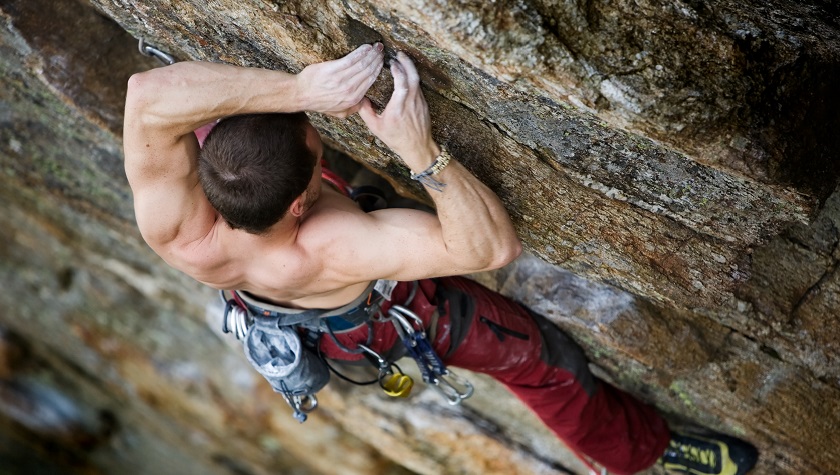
[[178, 99], [475, 225], [475, 228], [164, 106]]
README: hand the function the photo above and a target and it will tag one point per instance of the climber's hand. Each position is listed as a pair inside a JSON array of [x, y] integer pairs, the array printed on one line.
[[405, 124], [337, 87]]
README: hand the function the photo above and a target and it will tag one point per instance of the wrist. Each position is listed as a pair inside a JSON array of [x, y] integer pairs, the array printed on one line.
[[422, 157], [428, 177], [298, 92]]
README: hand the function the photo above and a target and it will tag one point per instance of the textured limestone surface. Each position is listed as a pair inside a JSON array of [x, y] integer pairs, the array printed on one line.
[[682, 151]]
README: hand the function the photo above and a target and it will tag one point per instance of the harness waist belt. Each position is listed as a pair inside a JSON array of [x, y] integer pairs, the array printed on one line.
[[345, 317]]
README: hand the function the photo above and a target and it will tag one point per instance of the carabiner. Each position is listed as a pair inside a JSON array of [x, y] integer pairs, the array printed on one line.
[[148, 50], [446, 385], [301, 405], [384, 365], [236, 320], [399, 310], [402, 326], [306, 404]]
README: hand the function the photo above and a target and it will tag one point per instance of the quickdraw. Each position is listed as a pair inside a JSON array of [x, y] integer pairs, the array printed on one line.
[[409, 327]]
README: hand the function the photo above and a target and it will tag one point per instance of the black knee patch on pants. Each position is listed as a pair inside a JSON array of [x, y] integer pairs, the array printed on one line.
[[461, 314], [560, 351]]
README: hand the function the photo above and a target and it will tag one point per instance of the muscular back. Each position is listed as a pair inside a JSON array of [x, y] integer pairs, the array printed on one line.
[[289, 268]]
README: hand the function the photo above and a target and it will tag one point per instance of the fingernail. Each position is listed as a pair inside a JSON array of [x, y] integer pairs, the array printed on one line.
[[379, 47]]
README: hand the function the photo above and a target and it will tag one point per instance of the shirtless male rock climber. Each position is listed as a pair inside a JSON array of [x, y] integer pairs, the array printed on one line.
[[247, 212]]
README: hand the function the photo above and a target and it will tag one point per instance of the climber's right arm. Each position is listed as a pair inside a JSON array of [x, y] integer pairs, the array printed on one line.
[[165, 105]]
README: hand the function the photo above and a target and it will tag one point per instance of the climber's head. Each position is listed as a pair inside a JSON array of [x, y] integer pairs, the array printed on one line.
[[255, 168]]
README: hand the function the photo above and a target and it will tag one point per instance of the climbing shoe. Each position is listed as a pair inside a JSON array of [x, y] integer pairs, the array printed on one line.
[[708, 455]]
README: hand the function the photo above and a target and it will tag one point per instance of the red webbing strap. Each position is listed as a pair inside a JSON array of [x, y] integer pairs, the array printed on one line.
[[333, 179]]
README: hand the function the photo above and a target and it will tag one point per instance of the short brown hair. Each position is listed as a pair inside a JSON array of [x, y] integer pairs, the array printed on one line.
[[252, 167]]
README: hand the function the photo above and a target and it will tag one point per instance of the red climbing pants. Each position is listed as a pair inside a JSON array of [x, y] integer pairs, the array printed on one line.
[[483, 331]]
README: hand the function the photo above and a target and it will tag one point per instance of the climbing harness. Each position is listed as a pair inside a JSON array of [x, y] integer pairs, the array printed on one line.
[[149, 50], [282, 344]]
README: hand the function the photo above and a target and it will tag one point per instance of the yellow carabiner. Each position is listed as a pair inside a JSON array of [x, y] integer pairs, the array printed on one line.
[[396, 384]]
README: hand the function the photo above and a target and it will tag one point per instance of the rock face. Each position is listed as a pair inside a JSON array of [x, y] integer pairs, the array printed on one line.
[[682, 152], [594, 178]]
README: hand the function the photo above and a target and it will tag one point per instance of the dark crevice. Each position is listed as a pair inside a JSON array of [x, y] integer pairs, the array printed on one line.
[[553, 31], [828, 381], [591, 13], [813, 290], [818, 285], [767, 350], [65, 277], [803, 245]]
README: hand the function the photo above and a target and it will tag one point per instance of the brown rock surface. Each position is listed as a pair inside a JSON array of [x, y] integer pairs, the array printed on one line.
[[683, 152], [600, 201]]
